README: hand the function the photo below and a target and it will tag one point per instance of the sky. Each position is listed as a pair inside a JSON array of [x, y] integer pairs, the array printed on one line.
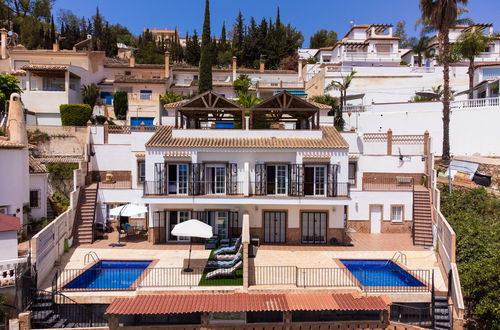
[[308, 16]]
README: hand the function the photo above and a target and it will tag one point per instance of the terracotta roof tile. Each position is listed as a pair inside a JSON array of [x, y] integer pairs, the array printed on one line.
[[8, 222], [44, 67], [36, 166], [243, 302], [174, 105], [6, 144], [163, 138]]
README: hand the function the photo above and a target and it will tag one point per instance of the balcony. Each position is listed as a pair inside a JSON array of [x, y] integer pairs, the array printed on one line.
[[476, 103], [193, 188], [372, 57]]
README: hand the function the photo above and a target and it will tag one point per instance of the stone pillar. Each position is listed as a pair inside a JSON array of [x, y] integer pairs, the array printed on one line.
[[66, 81], [131, 61], [301, 64], [113, 322], [25, 321], [287, 319], [16, 126], [234, 67], [262, 64], [245, 240], [205, 317], [3, 45], [106, 132], [167, 64], [390, 31], [389, 142], [55, 46], [246, 177], [385, 317]]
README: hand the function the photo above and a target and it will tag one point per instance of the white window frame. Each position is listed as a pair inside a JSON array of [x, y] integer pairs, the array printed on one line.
[[278, 179], [219, 187], [315, 182], [399, 217]]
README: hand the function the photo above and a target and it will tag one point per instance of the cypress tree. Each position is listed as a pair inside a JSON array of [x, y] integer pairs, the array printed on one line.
[[205, 72], [52, 31]]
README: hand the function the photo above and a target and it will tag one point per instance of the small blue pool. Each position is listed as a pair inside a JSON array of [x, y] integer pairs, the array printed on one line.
[[109, 275], [381, 273]]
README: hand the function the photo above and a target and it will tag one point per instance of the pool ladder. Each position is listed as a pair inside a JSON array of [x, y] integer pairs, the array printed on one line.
[[398, 255], [92, 255]]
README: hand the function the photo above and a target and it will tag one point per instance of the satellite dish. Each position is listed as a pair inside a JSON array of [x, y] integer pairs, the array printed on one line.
[[89, 36], [10, 33]]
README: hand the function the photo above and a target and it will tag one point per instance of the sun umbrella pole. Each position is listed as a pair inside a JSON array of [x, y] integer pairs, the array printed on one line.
[[188, 269]]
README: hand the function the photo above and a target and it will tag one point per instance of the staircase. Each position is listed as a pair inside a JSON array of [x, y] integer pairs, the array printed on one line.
[[442, 313], [85, 216], [422, 218], [44, 314]]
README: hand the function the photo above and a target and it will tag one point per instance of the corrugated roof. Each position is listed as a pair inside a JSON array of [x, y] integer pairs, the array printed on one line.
[[8, 222], [243, 302], [163, 138], [36, 166]]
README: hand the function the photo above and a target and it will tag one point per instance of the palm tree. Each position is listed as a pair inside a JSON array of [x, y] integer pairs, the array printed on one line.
[[470, 44], [342, 86], [441, 15], [428, 28], [420, 47], [90, 94]]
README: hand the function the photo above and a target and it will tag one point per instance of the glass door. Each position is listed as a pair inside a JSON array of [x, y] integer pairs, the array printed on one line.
[[314, 227], [216, 179], [315, 180], [222, 223], [277, 179], [174, 218], [274, 227], [177, 180]]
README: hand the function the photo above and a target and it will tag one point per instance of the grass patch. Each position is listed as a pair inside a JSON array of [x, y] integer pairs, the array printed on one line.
[[220, 281]]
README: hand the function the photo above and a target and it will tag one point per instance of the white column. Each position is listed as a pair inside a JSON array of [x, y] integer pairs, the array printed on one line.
[[246, 179], [66, 82], [194, 157]]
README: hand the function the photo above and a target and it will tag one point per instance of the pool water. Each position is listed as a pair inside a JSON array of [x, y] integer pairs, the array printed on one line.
[[381, 273], [109, 274]]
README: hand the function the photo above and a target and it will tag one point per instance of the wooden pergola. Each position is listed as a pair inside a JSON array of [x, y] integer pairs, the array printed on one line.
[[285, 107], [207, 108]]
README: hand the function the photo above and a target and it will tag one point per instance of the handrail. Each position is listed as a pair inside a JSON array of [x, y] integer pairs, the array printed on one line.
[[396, 256], [77, 213], [88, 256], [95, 208]]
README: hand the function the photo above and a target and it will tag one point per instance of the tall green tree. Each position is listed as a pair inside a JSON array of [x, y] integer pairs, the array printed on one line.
[[441, 15], [342, 87], [400, 31], [8, 85], [193, 50], [90, 94], [323, 38], [470, 44], [419, 47], [238, 36], [205, 76]]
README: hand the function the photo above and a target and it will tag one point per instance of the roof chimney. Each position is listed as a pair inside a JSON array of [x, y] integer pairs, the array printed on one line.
[[234, 68], [15, 122], [167, 64], [262, 65], [131, 61]]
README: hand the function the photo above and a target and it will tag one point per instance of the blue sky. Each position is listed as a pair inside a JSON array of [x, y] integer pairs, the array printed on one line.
[[307, 15]]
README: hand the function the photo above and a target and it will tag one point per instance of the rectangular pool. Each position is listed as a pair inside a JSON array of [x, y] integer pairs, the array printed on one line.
[[109, 275], [381, 273]]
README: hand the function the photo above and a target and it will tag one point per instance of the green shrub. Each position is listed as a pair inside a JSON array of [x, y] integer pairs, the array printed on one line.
[[120, 103], [61, 201], [403, 63], [37, 136], [75, 114]]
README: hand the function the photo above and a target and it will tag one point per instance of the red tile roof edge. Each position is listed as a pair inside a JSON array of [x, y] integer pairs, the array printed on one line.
[[9, 222], [242, 302]]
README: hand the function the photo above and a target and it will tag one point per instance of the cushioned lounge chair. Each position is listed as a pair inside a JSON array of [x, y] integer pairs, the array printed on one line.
[[225, 263], [229, 249], [221, 272], [229, 256]]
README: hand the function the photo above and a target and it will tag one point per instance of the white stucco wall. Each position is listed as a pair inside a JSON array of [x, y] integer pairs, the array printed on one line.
[[8, 245], [14, 179], [359, 207], [39, 182]]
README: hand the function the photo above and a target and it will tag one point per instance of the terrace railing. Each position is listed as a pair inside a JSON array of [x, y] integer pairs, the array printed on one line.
[[388, 183], [389, 281], [116, 129], [193, 188], [297, 188], [356, 108], [406, 314], [476, 103]]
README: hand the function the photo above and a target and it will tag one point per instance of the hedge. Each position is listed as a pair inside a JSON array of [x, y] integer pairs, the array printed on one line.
[[120, 104], [75, 114]]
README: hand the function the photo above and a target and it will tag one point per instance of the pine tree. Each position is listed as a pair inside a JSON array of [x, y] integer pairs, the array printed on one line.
[[238, 36], [98, 30], [205, 74]]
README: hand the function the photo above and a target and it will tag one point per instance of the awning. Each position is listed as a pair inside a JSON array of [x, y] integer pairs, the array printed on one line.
[[244, 302]]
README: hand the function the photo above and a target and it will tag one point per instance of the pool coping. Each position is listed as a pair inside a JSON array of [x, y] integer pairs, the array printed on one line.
[[426, 286], [132, 287]]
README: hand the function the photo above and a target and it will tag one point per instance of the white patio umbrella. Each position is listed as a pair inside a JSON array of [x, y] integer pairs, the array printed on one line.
[[127, 210], [192, 228]]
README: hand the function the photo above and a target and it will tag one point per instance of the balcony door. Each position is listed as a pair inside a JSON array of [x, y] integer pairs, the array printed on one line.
[[314, 227], [277, 179], [219, 220], [315, 180], [176, 217], [215, 179], [177, 179]]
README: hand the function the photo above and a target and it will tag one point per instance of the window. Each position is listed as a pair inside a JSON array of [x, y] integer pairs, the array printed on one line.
[[352, 173], [3, 209], [195, 77], [215, 179], [141, 171], [128, 73], [174, 218], [315, 180], [397, 213], [178, 178], [35, 199]]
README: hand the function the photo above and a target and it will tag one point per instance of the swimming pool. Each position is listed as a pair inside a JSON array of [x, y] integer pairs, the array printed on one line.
[[109, 275], [381, 273]]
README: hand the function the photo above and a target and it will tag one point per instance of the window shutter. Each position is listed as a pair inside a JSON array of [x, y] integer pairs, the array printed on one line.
[[332, 180], [260, 179], [296, 180], [160, 178], [234, 224], [232, 178]]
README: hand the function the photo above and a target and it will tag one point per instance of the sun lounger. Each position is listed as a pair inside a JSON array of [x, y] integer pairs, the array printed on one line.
[[225, 263], [229, 249], [224, 271], [229, 256]]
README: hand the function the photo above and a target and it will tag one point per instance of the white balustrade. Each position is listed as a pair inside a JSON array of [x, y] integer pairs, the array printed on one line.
[[476, 103]]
